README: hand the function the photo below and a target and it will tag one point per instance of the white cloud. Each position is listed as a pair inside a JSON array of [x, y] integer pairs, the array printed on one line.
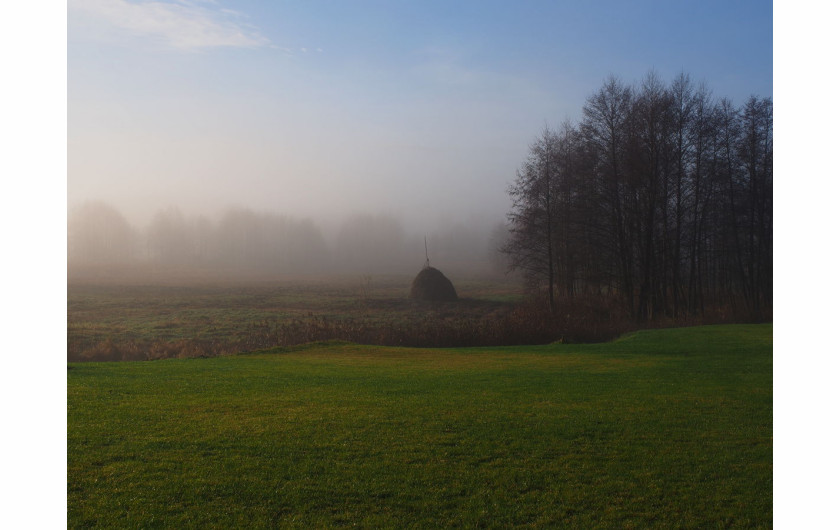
[[183, 25]]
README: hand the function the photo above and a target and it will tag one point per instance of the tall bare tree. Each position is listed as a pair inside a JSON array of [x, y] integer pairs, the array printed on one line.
[[662, 197], [533, 218]]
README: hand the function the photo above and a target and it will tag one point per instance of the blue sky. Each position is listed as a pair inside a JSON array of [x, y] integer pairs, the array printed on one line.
[[418, 109]]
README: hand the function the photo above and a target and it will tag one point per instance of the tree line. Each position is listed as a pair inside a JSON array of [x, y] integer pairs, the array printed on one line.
[[243, 240], [661, 196]]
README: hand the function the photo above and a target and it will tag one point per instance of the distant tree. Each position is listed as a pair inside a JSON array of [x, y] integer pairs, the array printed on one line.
[[98, 234], [236, 237], [202, 235], [302, 245], [168, 237], [270, 243]]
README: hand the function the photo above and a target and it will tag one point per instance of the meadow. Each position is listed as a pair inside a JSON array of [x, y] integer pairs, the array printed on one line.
[[658, 429]]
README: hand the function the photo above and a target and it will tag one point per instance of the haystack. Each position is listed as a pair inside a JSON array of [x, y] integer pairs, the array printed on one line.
[[431, 284]]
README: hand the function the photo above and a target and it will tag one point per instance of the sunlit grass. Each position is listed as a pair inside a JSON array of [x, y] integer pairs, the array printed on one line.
[[660, 429]]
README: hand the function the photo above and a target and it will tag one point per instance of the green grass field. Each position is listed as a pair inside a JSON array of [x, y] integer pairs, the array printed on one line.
[[669, 428]]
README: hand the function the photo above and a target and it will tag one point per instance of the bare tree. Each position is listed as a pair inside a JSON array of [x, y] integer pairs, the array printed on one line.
[[605, 127], [533, 218], [661, 196]]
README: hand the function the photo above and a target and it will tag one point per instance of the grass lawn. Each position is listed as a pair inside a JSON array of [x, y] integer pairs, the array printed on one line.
[[667, 428]]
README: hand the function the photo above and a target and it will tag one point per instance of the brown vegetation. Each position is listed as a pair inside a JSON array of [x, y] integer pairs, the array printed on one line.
[[377, 321]]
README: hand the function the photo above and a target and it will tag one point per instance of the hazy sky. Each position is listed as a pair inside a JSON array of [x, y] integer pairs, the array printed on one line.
[[422, 109]]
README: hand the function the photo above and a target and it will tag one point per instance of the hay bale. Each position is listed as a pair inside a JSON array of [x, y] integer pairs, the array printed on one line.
[[431, 284]]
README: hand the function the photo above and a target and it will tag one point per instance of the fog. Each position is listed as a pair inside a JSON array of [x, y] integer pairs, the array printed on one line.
[[246, 243], [335, 138]]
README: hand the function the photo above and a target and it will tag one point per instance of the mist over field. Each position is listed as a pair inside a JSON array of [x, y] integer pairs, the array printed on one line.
[[103, 243], [315, 137]]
